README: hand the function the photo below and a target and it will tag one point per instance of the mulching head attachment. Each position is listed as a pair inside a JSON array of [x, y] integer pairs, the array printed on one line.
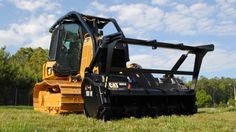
[[119, 91]]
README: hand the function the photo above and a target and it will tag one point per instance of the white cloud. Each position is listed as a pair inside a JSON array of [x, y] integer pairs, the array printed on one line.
[[42, 41], [160, 2], [99, 6], [139, 16], [198, 18], [136, 19], [175, 22], [33, 32], [218, 60], [227, 9], [201, 10], [158, 59], [32, 5], [188, 20]]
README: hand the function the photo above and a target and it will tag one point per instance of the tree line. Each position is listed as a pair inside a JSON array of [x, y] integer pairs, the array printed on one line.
[[20, 72], [216, 91]]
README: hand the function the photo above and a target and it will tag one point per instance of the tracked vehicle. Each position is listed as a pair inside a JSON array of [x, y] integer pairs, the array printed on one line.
[[88, 72]]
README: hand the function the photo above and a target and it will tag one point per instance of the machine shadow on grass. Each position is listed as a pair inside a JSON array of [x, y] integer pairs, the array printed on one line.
[[200, 111]]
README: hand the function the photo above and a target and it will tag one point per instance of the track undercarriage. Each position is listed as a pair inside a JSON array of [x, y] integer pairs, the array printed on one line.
[[58, 96]]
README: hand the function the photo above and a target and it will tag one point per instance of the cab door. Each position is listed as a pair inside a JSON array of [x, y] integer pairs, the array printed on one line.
[[68, 46]]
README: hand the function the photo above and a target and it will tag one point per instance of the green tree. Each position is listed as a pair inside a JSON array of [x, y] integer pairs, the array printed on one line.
[[220, 89], [231, 102], [36, 61], [19, 73], [203, 99], [29, 64], [7, 80]]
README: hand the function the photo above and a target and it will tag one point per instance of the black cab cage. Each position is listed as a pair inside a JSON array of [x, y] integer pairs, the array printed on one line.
[[81, 18], [110, 41]]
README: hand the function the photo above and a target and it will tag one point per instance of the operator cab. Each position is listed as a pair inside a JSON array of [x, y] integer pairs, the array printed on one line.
[[66, 48], [67, 43]]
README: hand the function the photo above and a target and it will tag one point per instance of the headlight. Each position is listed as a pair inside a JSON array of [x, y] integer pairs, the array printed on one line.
[[49, 71]]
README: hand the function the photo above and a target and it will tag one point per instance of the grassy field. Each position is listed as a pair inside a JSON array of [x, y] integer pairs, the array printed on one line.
[[25, 119]]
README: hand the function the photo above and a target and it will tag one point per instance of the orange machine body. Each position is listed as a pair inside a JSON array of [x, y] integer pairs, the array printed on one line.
[[62, 94]]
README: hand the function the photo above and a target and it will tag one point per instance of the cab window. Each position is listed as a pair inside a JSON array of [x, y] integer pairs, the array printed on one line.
[[70, 48]]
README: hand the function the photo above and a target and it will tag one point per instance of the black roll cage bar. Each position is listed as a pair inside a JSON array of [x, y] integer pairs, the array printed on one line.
[[80, 17]]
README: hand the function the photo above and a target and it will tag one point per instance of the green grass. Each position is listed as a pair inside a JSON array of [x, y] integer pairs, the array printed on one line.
[[25, 119]]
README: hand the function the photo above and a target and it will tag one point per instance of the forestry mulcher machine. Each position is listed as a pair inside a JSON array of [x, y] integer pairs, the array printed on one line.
[[88, 72]]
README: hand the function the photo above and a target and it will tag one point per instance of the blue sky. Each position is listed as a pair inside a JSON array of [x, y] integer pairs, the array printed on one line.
[[25, 23]]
